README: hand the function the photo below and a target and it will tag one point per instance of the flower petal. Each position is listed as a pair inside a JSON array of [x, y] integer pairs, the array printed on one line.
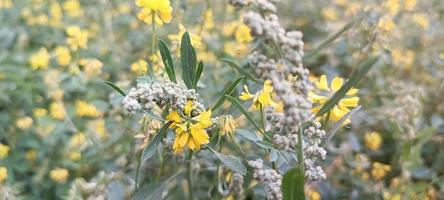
[[336, 83], [322, 83]]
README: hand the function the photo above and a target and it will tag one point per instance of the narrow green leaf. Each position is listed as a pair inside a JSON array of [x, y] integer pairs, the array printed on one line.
[[249, 135], [293, 184], [356, 77], [151, 148], [232, 162], [152, 115], [227, 91], [239, 69], [167, 60], [115, 87], [331, 38], [249, 117], [188, 61], [199, 71], [339, 123]]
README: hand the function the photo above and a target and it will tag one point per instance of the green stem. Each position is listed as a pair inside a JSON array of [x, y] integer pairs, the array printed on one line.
[[301, 147], [190, 176], [139, 163]]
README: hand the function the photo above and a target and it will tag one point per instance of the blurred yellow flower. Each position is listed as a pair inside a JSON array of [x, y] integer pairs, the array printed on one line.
[[4, 151], [140, 67], [24, 122], [330, 14], [226, 124], [31, 155], [388, 196], [72, 8], [91, 67], [208, 22], [386, 24], [379, 170], [40, 59], [235, 49], [327, 91], [3, 174], [421, 20], [159, 10], [243, 34], [75, 156], [59, 175], [402, 58], [63, 55], [409, 5], [56, 14], [261, 98], [77, 38], [84, 109], [57, 111], [392, 6], [314, 195], [99, 127], [77, 140], [6, 4], [196, 40], [190, 130], [373, 140]]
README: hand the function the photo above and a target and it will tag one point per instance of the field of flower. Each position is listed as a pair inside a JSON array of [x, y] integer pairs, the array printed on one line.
[[222, 99]]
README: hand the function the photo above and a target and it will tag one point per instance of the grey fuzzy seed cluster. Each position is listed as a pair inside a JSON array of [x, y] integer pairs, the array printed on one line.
[[313, 150], [146, 96], [270, 178]]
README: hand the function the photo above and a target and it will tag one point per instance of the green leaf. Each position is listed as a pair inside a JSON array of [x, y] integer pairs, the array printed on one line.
[[249, 117], [240, 69], [198, 73], [155, 190], [151, 148], [356, 77], [232, 162], [115, 87], [152, 115], [331, 38], [252, 136], [293, 184], [227, 91], [188, 61], [167, 61], [339, 123]]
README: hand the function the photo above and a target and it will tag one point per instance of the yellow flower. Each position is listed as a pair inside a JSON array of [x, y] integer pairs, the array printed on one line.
[[314, 195], [235, 49], [326, 92], [72, 7], [421, 20], [386, 24], [59, 175], [24, 122], [402, 58], [208, 22], [373, 140], [40, 59], [6, 4], [3, 174], [77, 38], [226, 124], [99, 127], [56, 14], [91, 67], [77, 140], [57, 111], [409, 5], [196, 40], [4, 151], [75, 156], [243, 34], [392, 6], [139, 67], [31, 155], [379, 170], [190, 130], [159, 10], [262, 97], [84, 109], [63, 56], [330, 14]]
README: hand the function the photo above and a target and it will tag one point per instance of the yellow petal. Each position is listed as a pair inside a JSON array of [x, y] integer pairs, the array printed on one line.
[[188, 107], [265, 98], [316, 98], [246, 95], [173, 116], [268, 88], [183, 139], [199, 134], [349, 102], [204, 119], [352, 91], [337, 113], [336, 83], [322, 84], [192, 144]]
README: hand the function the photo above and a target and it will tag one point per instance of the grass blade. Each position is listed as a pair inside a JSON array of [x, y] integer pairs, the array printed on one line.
[[239, 69], [115, 87], [249, 117], [227, 91]]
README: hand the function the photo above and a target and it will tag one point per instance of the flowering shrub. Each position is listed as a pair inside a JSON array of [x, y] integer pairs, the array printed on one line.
[[236, 99]]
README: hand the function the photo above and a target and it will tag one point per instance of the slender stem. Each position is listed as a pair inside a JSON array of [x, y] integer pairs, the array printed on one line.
[[139, 163], [301, 147], [153, 36], [190, 176]]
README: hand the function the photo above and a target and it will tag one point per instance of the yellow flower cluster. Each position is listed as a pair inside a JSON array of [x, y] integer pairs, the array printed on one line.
[[39, 112], [31, 155], [139, 67], [157, 10], [242, 35], [196, 40], [91, 67], [84, 109], [73, 8], [3, 174], [77, 140], [77, 38], [59, 175], [57, 111], [379, 170], [190, 130], [262, 98], [24, 122], [6, 4], [40, 59], [63, 55], [327, 91], [373, 140], [4, 151]]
